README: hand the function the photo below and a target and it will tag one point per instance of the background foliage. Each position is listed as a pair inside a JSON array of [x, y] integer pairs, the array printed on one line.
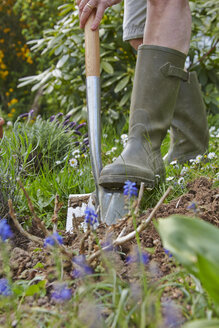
[[20, 21], [54, 59]]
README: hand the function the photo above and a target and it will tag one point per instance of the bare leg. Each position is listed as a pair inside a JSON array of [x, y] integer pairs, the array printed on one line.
[[135, 43], [168, 24]]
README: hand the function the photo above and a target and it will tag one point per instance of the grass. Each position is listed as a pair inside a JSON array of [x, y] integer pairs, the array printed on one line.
[[103, 299]]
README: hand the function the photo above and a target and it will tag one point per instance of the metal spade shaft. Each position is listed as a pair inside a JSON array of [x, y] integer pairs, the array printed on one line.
[[111, 202]]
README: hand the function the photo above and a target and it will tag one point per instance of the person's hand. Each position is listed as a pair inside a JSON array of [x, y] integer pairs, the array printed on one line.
[[87, 6]]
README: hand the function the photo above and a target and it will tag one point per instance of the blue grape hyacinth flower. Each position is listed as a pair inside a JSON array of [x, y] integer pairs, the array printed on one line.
[[5, 230], [90, 216], [61, 293], [130, 189], [168, 253], [142, 257], [53, 240], [81, 267], [5, 289]]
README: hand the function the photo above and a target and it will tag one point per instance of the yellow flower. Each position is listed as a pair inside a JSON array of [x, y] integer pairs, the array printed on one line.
[[14, 101], [10, 115], [29, 60], [3, 74], [7, 94], [2, 40], [3, 66], [13, 110], [6, 30], [11, 90]]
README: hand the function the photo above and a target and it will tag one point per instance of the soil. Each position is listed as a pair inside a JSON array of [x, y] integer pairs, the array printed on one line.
[[29, 260]]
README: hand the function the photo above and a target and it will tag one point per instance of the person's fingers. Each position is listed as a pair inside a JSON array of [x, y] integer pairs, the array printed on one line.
[[81, 6], [85, 11], [99, 15]]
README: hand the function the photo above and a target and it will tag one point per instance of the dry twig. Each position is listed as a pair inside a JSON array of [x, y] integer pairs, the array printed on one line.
[[57, 208], [140, 195], [39, 223], [31, 237], [19, 227], [131, 235], [81, 247]]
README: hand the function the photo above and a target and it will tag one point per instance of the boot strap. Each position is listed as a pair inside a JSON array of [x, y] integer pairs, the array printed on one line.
[[169, 70]]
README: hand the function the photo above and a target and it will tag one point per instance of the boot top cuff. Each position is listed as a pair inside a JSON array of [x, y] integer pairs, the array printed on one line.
[[163, 49]]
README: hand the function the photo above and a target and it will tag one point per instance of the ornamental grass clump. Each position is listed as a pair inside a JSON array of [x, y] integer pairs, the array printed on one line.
[[36, 144]]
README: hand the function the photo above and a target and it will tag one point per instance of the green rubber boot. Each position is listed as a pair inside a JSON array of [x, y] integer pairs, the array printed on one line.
[[159, 71], [189, 134]]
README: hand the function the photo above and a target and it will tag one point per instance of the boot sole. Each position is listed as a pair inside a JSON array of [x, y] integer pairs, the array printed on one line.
[[118, 181]]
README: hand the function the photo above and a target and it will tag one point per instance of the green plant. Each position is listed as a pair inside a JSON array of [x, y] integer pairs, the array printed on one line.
[[194, 243]]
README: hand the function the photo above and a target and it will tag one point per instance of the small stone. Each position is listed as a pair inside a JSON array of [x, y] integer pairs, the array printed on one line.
[[156, 242]]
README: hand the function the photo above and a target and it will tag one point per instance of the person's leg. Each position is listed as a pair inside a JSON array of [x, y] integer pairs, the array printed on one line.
[[168, 24], [189, 128], [159, 70]]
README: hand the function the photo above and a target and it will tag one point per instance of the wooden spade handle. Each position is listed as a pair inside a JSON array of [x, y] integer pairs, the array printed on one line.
[[92, 48]]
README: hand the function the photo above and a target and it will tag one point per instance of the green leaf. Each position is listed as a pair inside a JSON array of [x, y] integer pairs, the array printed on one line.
[[122, 84], [39, 265], [62, 61], [107, 67], [209, 276], [32, 290], [125, 98], [195, 244]]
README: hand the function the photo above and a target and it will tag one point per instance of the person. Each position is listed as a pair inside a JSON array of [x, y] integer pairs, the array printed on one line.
[[164, 94]]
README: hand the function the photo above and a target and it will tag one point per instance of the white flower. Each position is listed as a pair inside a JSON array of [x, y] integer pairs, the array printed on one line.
[[116, 140], [212, 128], [114, 158], [105, 135], [124, 137], [198, 159], [173, 163], [113, 149], [9, 124], [108, 152], [212, 131], [58, 162], [181, 181], [184, 170], [64, 159], [212, 155], [76, 151], [169, 178], [73, 162]]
